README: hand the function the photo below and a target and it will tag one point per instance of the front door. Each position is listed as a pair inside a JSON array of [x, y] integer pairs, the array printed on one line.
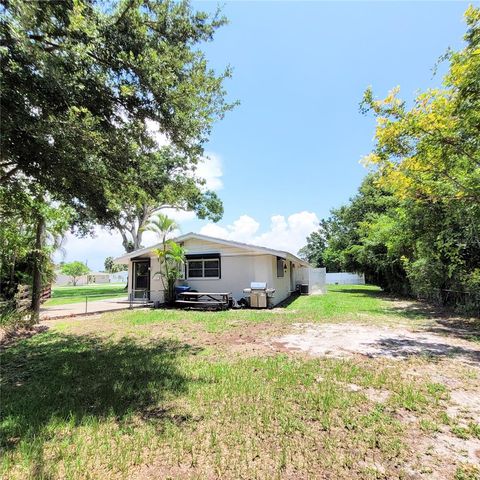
[[141, 279]]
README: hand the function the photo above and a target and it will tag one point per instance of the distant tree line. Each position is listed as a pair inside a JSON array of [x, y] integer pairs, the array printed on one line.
[[414, 225]]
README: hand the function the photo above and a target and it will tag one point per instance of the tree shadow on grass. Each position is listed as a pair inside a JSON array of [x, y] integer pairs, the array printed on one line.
[[55, 377], [442, 320], [396, 347], [368, 291]]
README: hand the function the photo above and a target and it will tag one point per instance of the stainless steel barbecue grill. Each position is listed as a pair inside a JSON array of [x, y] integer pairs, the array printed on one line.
[[259, 295]]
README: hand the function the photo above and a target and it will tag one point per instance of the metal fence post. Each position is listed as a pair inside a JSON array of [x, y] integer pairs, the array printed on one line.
[[86, 303]]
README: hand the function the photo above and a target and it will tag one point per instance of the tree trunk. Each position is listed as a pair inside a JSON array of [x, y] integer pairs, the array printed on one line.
[[139, 226], [137, 239], [12, 269], [133, 225], [37, 266]]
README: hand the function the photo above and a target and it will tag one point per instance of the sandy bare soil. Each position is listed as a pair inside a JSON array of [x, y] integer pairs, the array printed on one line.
[[340, 340], [435, 453]]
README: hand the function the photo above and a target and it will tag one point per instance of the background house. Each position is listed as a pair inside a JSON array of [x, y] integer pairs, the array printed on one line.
[[119, 277], [91, 278]]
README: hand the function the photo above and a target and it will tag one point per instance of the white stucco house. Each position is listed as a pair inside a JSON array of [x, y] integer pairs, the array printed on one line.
[[217, 265]]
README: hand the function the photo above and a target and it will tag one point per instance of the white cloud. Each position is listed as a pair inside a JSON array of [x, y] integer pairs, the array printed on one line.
[[178, 215], [153, 128], [92, 250], [287, 234], [243, 229], [210, 169]]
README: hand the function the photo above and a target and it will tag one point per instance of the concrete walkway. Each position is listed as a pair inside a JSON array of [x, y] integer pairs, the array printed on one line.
[[94, 306]]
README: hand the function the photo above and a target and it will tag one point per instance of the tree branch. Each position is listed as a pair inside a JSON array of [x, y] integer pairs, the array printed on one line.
[[9, 174], [125, 11]]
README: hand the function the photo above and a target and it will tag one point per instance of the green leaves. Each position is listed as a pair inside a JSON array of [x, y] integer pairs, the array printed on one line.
[[162, 225], [431, 152], [78, 82], [171, 255], [414, 226], [74, 269]]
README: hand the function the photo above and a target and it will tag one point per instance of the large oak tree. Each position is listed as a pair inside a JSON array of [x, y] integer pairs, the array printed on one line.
[[81, 78]]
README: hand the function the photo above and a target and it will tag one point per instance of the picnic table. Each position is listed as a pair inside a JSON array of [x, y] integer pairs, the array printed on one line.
[[219, 300]]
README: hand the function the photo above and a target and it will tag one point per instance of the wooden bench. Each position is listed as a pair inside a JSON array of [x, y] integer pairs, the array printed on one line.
[[204, 300]]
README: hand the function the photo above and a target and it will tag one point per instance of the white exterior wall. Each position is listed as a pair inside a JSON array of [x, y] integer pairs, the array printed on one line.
[[103, 278], [344, 278], [237, 272], [157, 293], [301, 275], [239, 268], [282, 285], [118, 277], [130, 278]]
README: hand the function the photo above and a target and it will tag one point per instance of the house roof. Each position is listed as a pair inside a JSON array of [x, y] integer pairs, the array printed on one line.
[[221, 241]]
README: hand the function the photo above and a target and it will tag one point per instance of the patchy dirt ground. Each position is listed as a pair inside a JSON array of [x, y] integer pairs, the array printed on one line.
[[447, 360], [410, 343], [340, 340], [9, 337]]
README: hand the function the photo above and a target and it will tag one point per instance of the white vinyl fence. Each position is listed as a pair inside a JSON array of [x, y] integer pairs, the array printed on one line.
[[317, 280], [344, 278]]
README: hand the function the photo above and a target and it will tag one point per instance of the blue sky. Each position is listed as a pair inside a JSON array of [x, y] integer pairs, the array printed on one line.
[[291, 149]]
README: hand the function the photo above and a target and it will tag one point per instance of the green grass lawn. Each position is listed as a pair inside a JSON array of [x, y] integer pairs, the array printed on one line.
[[172, 394], [69, 294], [357, 303]]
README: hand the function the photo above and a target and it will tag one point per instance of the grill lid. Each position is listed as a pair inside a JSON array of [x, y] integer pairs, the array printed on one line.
[[258, 285]]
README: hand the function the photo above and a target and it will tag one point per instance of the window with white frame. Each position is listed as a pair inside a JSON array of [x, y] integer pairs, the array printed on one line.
[[203, 267]]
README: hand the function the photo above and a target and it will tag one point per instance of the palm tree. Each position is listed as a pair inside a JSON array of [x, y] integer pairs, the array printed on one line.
[[171, 255], [162, 225]]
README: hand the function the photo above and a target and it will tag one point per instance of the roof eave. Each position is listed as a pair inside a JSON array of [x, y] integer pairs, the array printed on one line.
[[279, 253]]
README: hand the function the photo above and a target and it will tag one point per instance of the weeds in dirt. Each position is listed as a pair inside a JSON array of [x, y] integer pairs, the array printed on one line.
[[165, 394], [74, 404], [467, 472]]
